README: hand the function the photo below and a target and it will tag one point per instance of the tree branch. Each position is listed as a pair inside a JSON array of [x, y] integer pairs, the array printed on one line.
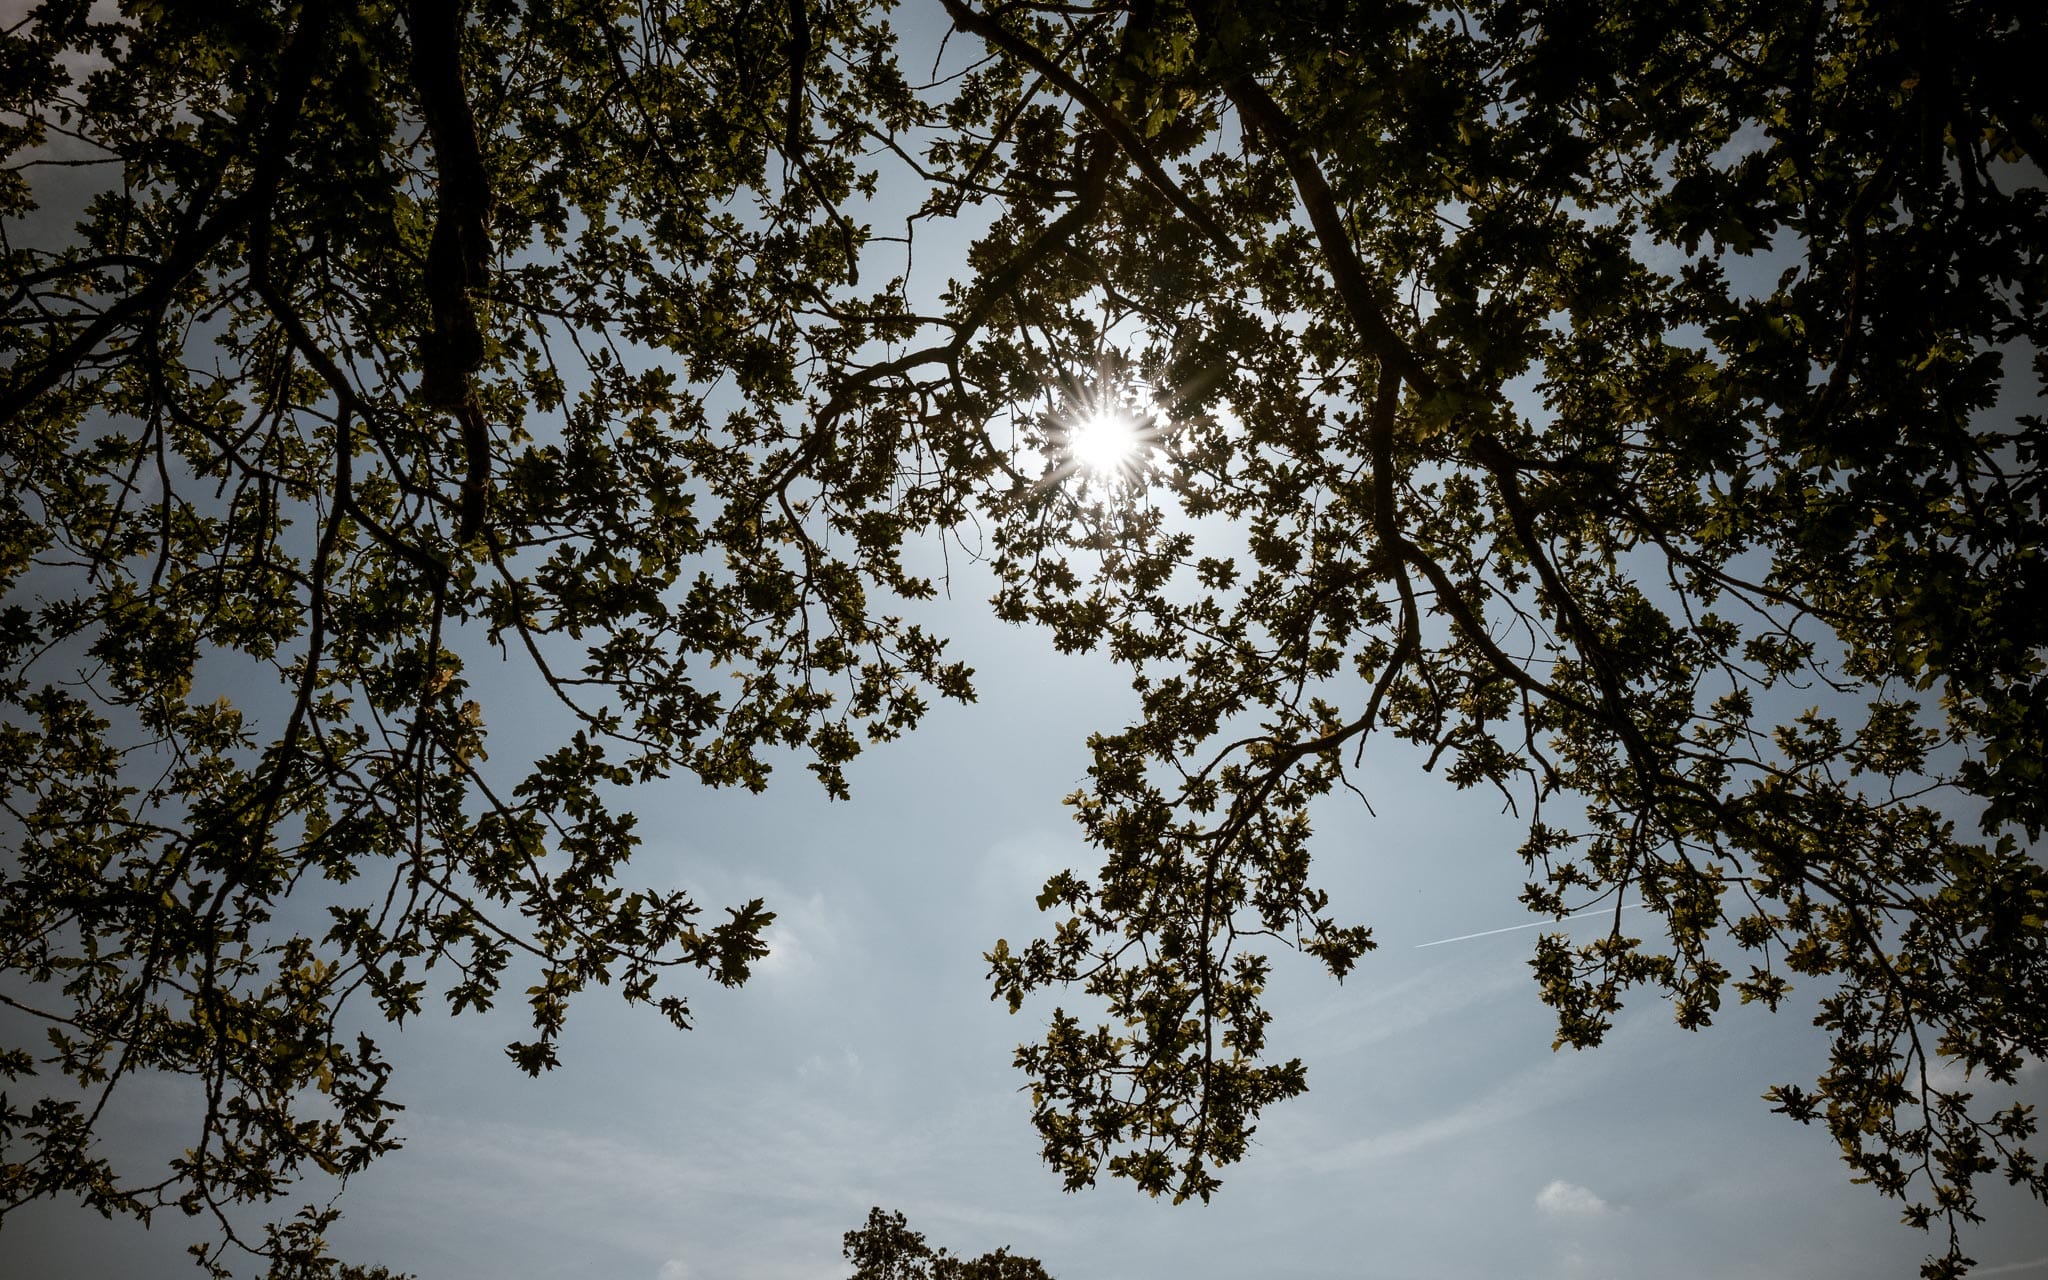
[[1107, 116]]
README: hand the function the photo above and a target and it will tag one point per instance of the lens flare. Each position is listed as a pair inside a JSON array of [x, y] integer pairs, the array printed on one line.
[[1104, 441]]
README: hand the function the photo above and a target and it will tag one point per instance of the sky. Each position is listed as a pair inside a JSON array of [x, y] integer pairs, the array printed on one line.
[[865, 1065]]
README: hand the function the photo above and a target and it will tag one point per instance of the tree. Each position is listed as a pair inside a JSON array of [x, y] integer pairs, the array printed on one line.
[[887, 1249], [389, 334], [1587, 385], [1561, 390]]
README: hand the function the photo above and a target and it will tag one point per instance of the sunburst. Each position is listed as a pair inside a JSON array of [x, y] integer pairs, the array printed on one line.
[[1115, 433], [1105, 441]]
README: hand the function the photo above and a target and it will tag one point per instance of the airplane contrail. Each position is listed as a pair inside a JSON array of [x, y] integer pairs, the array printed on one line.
[[1534, 924], [2010, 1267]]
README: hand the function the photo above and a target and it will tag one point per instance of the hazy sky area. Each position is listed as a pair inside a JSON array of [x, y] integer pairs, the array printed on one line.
[[864, 1064]]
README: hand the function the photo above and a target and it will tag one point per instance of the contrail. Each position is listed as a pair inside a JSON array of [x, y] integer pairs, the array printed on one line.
[[2010, 1267], [1534, 924]]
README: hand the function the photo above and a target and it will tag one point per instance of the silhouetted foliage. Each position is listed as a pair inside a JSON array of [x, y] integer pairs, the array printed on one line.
[[1633, 410], [887, 1249]]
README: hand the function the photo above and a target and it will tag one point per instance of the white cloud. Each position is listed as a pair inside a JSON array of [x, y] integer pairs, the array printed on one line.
[[1569, 1199], [806, 928], [673, 1269], [787, 954], [1949, 1075]]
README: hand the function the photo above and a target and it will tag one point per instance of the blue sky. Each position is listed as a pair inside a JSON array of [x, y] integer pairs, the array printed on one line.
[[864, 1065]]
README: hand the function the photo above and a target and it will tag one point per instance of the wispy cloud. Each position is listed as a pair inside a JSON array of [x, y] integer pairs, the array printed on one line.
[[1015, 867], [1570, 1200], [1510, 1102], [844, 1066], [1949, 1075], [806, 929], [800, 1167]]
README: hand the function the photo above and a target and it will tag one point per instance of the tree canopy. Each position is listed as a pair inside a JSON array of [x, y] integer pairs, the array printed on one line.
[[887, 1249], [1633, 411]]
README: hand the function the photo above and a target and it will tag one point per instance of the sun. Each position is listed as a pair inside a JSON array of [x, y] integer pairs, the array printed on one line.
[[1105, 441]]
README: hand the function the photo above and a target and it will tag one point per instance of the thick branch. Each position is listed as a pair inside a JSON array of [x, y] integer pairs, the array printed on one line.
[[799, 57], [458, 257], [1105, 115], [1346, 271]]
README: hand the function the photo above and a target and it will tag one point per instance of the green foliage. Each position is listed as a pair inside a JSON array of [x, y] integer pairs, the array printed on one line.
[[389, 335], [1575, 392], [887, 1249], [1632, 410]]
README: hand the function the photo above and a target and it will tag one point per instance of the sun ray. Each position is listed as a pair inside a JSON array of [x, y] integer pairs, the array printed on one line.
[[1105, 441]]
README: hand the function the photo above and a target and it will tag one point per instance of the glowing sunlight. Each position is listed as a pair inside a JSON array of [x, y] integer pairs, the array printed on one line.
[[1106, 441]]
